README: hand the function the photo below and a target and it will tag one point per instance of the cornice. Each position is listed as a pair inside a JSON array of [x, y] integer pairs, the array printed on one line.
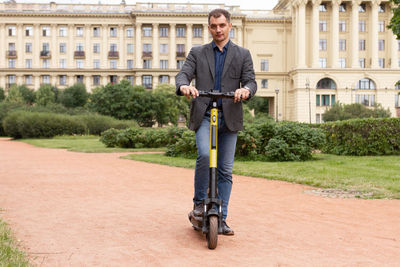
[[269, 20], [23, 14]]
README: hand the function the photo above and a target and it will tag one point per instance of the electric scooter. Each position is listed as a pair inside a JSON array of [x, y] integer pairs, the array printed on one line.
[[211, 222]]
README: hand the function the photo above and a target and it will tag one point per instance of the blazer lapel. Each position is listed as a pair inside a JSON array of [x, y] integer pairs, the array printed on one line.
[[211, 60], [228, 60]]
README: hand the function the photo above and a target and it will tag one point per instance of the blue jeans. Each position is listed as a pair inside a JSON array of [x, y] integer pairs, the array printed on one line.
[[225, 156]]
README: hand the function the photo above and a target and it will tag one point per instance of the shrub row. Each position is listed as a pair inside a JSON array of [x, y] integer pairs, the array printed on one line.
[[26, 124], [362, 137]]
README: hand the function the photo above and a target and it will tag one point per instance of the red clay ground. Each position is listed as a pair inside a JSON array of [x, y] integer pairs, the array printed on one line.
[[77, 209]]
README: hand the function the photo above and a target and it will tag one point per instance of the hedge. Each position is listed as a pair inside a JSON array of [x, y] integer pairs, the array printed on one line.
[[361, 137]]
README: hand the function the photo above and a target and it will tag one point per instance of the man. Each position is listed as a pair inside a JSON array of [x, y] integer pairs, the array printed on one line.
[[222, 66]]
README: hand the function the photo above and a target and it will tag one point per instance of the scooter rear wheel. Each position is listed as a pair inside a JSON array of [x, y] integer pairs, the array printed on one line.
[[212, 235]]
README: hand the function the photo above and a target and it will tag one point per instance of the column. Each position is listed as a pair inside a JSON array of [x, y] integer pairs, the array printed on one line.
[[3, 79], [205, 33], [36, 47], [53, 48], [2, 48], [122, 47], [293, 10], [36, 81], [71, 80], [138, 44], [394, 61], [70, 48], [19, 46], [104, 80], [156, 80], [88, 48], [104, 47], [334, 46], [138, 79], [189, 37], [354, 33], [301, 34], [315, 33], [373, 34], [240, 35], [172, 46], [156, 46]]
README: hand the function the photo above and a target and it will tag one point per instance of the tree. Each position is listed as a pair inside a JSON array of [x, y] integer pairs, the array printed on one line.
[[259, 104], [339, 112], [2, 94], [394, 24], [14, 95], [27, 94], [45, 95], [74, 96]]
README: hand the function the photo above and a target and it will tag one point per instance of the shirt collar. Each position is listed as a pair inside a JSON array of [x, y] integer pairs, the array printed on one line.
[[214, 45]]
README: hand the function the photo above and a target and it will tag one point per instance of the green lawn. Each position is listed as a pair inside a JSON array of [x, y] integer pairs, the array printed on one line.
[[9, 253], [375, 177]]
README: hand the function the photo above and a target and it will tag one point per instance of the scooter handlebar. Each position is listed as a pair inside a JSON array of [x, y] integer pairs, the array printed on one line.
[[217, 95]]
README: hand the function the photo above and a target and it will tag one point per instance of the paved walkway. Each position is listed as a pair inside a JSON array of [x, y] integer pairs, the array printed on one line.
[[77, 209]]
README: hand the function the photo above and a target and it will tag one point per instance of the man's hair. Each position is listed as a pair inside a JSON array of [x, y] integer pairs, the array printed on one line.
[[216, 13]]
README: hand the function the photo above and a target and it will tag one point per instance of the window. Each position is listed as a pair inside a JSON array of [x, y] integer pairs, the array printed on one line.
[[63, 63], [28, 47], [366, 100], [342, 8], [46, 63], [11, 46], [79, 31], [96, 63], [361, 62], [96, 31], [322, 8], [45, 31], [322, 62], [113, 31], [163, 31], [28, 31], [325, 100], [28, 79], [342, 26], [179, 64], [326, 83], [361, 8], [62, 31], [147, 81], [361, 26], [12, 79], [322, 45], [28, 63], [163, 48], [381, 8], [381, 62], [317, 118], [79, 47], [381, 26], [398, 45], [113, 64], [180, 31], [129, 64], [381, 45], [147, 48], [197, 31], [342, 62], [318, 100], [79, 78], [164, 79], [396, 100], [264, 83], [46, 47], [96, 79], [264, 65], [147, 63], [129, 32], [232, 33], [79, 63], [163, 64], [113, 47], [322, 26], [180, 48], [63, 48], [129, 48], [365, 83], [361, 45], [12, 31], [46, 79], [130, 78], [96, 48], [62, 79], [11, 63], [147, 31], [342, 44]]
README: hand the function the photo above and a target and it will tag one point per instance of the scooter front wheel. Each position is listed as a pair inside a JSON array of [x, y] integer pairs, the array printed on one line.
[[212, 235]]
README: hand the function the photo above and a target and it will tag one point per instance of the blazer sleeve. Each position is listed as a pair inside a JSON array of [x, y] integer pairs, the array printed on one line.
[[187, 73], [248, 77]]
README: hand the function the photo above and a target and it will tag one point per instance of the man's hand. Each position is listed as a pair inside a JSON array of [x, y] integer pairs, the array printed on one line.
[[189, 91], [241, 94]]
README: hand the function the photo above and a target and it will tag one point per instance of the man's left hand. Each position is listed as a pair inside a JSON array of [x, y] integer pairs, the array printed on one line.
[[241, 94]]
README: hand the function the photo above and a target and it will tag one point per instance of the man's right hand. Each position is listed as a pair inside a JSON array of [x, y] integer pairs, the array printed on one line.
[[189, 91]]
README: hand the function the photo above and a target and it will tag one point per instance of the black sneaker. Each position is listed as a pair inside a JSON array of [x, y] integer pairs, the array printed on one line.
[[198, 210], [226, 230]]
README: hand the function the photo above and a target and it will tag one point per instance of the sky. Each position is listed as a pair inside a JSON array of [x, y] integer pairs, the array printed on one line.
[[244, 4]]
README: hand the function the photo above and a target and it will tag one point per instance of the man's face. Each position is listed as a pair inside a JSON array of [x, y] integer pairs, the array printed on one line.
[[219, 29]]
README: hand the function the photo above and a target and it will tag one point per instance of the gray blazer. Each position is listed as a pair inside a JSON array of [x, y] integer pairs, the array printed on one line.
[[238, 72]]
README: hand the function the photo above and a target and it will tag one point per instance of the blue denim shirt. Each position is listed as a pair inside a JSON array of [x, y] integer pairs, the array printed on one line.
[[219, 66]]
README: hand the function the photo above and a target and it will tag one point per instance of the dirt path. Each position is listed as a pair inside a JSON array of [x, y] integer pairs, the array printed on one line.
[[76, 209]]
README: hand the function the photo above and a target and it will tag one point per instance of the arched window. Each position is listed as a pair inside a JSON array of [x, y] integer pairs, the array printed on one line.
[[326, 83], [365, 83]]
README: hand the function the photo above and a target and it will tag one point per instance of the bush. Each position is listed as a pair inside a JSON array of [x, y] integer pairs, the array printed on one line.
[[109, 137], [96, 124], [74, 96], [361, 137], [2, 94], [45, 95], [24, 124], [339, 112], [185, 146], [14, 95], [5, 108], [248, 142]]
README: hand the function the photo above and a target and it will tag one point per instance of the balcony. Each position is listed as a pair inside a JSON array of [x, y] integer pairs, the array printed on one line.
[[11, 54], [79, 54], [148, 55], [45, 54], [180, 54], [113, 55]]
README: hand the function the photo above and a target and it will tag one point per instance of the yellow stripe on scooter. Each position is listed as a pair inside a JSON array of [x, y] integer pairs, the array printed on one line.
[[213, 158], [213, 152]]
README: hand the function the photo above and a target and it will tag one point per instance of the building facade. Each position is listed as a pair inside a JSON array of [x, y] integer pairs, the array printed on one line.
[[307, 54]]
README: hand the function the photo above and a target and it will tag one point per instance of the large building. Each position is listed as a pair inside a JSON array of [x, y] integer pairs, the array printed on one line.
[[307, 54]]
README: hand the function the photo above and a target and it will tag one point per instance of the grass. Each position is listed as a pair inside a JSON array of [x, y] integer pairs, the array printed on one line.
[[10, 255], [372, 177]]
